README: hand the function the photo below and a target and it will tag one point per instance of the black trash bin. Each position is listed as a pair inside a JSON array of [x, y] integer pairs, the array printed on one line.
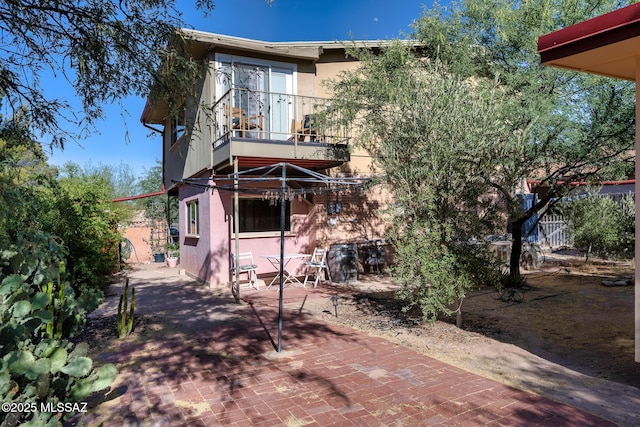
[[372, 255], [343, 262]]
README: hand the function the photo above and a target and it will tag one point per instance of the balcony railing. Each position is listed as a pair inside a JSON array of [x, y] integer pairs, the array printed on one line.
[[256, 115]]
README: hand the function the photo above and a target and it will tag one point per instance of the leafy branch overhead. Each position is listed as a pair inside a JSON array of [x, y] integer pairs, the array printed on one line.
[[104, 50]]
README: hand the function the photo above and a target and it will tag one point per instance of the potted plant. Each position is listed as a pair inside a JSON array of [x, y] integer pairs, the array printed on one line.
[[173, 254], [157, 247]]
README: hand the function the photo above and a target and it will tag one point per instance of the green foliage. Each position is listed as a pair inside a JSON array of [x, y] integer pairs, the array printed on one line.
[[82, 201], [566, 126], [68, 313], [462, 130], [33, 369], [158, 207], [74, 206], [601, 226], [107, 50], [428, 131], [173, 250], [124, 319]]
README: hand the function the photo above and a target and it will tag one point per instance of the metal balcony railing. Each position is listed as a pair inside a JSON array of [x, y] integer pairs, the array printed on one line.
[[257, 115]]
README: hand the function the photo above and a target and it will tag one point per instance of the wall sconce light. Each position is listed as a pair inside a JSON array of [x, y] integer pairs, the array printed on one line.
[[334, 207]]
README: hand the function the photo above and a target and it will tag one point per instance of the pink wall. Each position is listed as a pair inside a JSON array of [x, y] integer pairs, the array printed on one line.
[[194, 251], [139, 236], [207, 257]]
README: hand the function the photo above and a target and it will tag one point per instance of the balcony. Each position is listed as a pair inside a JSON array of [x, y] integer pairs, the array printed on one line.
[[262, 127]]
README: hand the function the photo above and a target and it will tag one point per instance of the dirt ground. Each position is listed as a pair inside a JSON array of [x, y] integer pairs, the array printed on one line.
[[565, 316]]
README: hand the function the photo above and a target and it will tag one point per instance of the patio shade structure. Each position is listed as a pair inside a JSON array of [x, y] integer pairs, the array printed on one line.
[[608, 45], [278, 182]]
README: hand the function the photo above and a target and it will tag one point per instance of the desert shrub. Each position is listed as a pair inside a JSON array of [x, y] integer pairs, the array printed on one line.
[[436, 274], [602, 226]]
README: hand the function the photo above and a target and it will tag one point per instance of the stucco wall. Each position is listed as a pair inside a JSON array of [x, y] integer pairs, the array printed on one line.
[[207, 257]]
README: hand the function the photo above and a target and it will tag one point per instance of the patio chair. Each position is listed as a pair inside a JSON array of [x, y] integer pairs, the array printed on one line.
[[315, 265], [245, 265], [238, 121]]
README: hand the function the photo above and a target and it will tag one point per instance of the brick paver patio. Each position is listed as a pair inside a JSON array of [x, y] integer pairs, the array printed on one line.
[[220, 368]]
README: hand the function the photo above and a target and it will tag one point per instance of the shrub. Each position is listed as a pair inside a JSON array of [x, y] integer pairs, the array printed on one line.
[[601, 226]]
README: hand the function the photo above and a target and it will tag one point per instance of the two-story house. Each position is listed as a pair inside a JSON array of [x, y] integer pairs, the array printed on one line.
[[260, 103]]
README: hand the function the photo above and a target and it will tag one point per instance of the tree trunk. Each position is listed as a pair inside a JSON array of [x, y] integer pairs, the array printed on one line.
[[516, 251]]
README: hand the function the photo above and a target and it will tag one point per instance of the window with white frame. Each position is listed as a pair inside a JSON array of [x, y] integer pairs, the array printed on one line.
[[177, 129], [257, 215], [262, 89], [193, 226]]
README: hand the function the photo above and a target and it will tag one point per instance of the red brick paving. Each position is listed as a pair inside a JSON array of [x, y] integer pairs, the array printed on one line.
[[326, 375]]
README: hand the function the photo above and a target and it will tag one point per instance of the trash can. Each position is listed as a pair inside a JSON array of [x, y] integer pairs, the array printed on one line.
[[343, 262], [372, 255]]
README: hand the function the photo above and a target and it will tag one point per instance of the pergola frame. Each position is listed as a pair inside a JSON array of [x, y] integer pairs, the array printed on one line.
[[299, 182]]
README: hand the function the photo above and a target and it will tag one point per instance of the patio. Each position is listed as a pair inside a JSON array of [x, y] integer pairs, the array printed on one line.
[[199, 359]]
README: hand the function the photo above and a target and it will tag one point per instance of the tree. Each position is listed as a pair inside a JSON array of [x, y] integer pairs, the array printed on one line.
[[23, 172], [456, 132], [39, 307], [579, 127], [104, 50], [425, 128], [81, 200]]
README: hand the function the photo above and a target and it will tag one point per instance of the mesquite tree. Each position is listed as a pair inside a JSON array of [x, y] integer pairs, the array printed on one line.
[[579, 127], [425, 130]]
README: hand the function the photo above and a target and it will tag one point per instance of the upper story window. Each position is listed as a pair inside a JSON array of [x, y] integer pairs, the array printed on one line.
[[178, 129]]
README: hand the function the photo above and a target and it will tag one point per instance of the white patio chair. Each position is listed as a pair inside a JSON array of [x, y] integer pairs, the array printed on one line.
[[315, 265], [245, 265]]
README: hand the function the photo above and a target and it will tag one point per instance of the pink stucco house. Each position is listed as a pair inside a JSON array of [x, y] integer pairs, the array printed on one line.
[[607, 45], [260, 103]]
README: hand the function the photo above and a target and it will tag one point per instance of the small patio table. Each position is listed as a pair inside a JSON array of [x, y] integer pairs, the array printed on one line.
[[289, 277]]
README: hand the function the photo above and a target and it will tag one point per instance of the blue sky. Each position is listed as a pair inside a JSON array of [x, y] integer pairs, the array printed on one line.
[[285, 20]]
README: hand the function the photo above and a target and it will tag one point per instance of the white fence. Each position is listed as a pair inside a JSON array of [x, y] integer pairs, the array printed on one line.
[[553, 232]]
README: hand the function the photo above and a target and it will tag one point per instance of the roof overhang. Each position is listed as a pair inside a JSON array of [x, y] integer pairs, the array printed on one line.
[[607, 45], [199, 44]]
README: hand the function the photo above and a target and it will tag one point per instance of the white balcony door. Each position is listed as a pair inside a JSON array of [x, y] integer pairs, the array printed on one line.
[[280, 104], [264, 89]]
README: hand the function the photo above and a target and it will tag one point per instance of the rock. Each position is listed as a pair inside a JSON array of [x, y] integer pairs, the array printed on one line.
[[611, 283]]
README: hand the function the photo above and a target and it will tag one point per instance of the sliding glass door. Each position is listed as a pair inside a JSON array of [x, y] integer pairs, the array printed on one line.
[[261, 96]]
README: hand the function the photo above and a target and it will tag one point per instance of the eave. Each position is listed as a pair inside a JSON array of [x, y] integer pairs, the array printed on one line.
[[606, 45]]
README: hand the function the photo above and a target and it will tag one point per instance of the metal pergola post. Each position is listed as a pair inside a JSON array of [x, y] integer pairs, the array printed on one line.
[[236, 229], [283, 190]]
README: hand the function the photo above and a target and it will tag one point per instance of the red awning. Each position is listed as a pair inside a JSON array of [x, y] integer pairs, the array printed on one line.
[[605, 45]]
